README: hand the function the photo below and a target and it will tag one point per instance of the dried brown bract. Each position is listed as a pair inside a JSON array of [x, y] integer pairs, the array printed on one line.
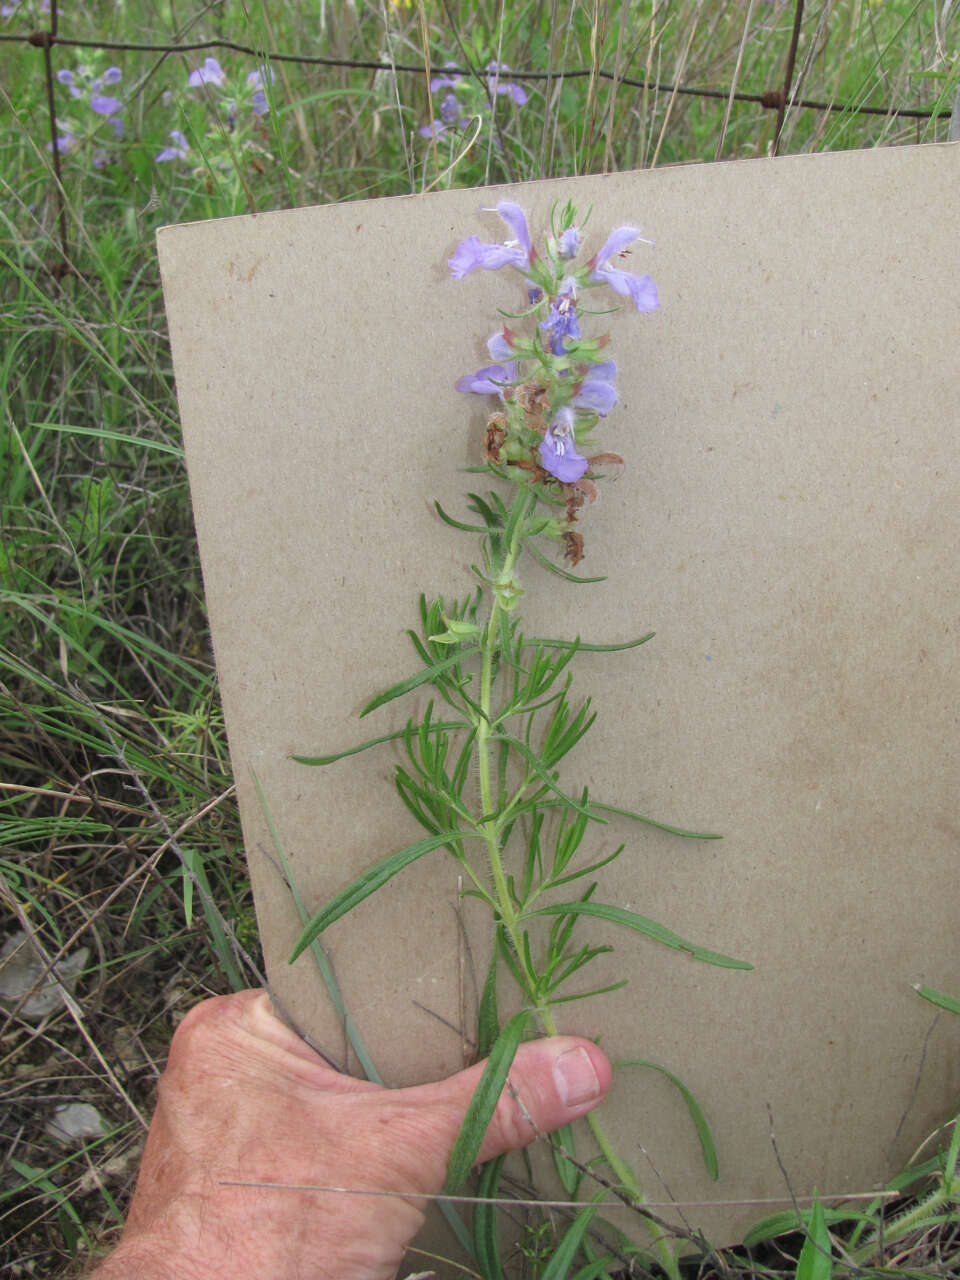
[[495, 437], [573, 547], [533, 398]]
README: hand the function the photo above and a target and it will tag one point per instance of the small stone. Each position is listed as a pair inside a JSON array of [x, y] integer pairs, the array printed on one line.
[[75, 1122], [22, 967]]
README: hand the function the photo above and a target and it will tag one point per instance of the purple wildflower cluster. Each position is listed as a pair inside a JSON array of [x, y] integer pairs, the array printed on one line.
[[555, 385], [452, 113], [210, 75], [90, 91], [7, 11]]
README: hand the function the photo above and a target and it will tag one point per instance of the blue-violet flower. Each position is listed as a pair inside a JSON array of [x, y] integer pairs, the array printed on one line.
[[558, 452], [640, 288]]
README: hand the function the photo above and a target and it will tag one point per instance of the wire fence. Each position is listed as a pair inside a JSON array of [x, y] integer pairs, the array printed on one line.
[[778, 99]]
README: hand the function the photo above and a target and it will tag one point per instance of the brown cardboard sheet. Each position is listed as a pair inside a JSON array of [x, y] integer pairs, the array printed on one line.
[[788, 522]]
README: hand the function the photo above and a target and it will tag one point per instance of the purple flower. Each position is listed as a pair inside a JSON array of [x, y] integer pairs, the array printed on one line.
[[490, 380], [499, 347], [516, 91], [103, 105], [597, 392], [66, 76], [8, 10], [569, 244], [640, 288], [80, 85], [562, 320], [558, 452], [210, 72], [66, 139], [446, 82], [470, 253], [179, 150], [257, 80], [450, 116]]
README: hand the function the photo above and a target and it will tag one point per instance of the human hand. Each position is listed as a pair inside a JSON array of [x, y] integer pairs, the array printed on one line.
[[244, 1099]]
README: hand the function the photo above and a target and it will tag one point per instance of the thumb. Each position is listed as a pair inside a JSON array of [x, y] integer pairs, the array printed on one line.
[[552, 1082]]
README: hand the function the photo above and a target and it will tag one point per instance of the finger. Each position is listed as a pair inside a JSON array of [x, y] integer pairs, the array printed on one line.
[[552, 1082]]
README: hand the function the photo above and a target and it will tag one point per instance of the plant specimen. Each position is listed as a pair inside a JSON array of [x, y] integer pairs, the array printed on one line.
[[480, 772]]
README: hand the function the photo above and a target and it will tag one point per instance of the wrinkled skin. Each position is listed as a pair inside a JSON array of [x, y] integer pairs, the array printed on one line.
[[244, 1098]]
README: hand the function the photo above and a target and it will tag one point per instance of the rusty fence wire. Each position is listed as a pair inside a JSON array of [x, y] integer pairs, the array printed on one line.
[[778, 98]]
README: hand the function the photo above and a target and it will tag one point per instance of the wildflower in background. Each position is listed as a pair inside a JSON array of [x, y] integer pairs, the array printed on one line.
[[640, 289], [558, 452], [84, 86], [450, 117], [452, 113], [66, 138], [180, 149], [8, 10], [257, 80], [210, 72], [494, 84]]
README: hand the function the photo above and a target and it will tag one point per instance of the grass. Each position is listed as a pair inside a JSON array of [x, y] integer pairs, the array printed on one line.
[[118, 828]]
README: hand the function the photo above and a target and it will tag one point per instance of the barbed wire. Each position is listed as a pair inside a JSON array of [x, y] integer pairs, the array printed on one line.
[[772, 99], [777, 100]]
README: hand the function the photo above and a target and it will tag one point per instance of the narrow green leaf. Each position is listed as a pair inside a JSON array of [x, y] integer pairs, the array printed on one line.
[[368, 883], [696, 1115], [780, 1224], [594, 991], [484, 1102], [488, 1020], [597, 1269], [564, 1143], [422, 677], [816, 1256], [458, 524], [555, 568], [536, 766], [101, 433], [486, 1245], [939, 998], [652, 822], [558, 1268], [438, 726], [583, 647], [630, 920]]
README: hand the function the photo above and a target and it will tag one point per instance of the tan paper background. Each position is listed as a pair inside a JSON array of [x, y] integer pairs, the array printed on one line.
[[788, 522]]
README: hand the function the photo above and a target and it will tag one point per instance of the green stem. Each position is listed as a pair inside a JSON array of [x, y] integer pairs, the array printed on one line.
[[491, 829], [894, 1230]]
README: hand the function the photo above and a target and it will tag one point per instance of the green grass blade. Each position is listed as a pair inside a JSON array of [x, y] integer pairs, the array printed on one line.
[[816, 1259], [939, 998], [558, 1268]]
